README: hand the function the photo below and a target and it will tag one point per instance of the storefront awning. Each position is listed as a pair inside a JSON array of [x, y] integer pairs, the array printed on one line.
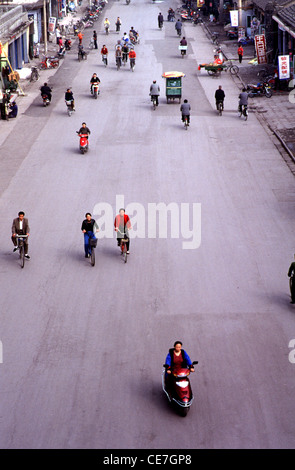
[[283, 25]]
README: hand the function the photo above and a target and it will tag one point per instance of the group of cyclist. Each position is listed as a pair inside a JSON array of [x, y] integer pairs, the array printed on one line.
[[220, 95]]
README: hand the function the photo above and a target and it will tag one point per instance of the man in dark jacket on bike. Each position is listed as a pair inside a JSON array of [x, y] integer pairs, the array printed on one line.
[[219, 96], [46, 90]]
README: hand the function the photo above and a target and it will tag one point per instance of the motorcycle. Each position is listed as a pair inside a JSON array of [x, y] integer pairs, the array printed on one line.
[[261, 89], [178, 389], [182, 50], [70, 107], [49, 63], [46, 101], [83, 142], [95, 90]]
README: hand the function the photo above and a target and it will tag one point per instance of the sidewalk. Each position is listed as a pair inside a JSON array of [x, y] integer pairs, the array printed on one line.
[[275, 113]]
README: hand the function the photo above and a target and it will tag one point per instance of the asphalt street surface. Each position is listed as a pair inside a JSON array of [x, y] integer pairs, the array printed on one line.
[[83, 347]]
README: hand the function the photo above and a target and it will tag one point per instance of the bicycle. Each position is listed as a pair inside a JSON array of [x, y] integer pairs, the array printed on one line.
[[186, 123], [123, 245], [243, 111], [154, 101], [220, 107], [21, 248], [92, 244], [234, 69], [132, 64], [35, 75], [118, 62]]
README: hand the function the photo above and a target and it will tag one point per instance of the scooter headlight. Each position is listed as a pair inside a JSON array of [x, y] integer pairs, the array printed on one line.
[[182, 383]]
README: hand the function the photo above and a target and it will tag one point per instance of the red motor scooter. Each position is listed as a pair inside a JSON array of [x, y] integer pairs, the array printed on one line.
[[83, 142], [177, 388]]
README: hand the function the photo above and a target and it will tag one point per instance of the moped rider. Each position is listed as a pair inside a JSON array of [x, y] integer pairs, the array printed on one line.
[[155, 91], [69, 96], [94, 79], [46, 90], [177, 358], [84, 130]]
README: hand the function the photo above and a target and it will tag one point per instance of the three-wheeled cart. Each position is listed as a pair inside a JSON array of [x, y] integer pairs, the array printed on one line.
[[173, 85]]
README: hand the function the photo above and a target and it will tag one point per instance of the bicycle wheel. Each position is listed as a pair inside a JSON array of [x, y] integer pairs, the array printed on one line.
[[92, 256], [125, 252], [234, 69], [22, 255], [220, 109]]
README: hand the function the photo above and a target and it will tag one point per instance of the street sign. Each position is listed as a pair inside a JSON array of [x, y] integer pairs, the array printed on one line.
[[284, 66], [260, 46]]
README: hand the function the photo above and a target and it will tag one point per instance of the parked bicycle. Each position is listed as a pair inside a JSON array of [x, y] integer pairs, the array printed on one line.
[[49, 63], [35, 75]]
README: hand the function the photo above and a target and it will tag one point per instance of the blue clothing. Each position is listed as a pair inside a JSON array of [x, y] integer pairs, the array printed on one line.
[[186, 359], [87, 236]]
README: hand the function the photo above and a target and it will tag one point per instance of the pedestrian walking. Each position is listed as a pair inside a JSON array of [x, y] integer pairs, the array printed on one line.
[[240, 53], [95, 39], [80, 36]]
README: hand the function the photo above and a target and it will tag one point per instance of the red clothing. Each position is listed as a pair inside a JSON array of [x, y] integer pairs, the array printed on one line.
[[240, 50], [177, 361], [120, 221], [104, 50], [132, 54]]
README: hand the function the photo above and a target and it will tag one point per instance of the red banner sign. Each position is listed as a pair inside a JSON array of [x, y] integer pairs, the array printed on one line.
[[260, 46]]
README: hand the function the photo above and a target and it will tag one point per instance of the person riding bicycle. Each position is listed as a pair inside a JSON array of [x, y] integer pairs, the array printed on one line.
[[178, 26], [183, 42], [243, 99], [155, 91], [46, 90], [132, 56], [69, 96], [106, 24], [89, 227], [94, 79], [122, 225], [81, 51], [104, 52], [185, 111], [125, 38], [291, 273], [171, 14], [125, 52], [219, 96], [118, 54], [20, 226], [160, 20]]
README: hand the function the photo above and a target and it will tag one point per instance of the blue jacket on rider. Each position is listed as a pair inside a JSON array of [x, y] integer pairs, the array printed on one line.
[[186, 359]]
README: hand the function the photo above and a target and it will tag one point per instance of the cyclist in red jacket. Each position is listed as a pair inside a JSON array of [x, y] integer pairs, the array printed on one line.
[[122, 224]]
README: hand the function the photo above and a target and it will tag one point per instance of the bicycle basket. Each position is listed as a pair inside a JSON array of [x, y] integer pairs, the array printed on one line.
[[93, 242]]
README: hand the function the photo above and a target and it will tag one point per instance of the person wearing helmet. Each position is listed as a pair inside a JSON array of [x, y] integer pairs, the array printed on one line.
[[122, 225]]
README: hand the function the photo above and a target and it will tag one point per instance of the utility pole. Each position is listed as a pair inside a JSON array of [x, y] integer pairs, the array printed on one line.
[[45, 26], [240, 13]]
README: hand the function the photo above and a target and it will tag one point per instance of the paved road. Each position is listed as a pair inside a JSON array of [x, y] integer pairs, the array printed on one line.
[[83, 347]]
